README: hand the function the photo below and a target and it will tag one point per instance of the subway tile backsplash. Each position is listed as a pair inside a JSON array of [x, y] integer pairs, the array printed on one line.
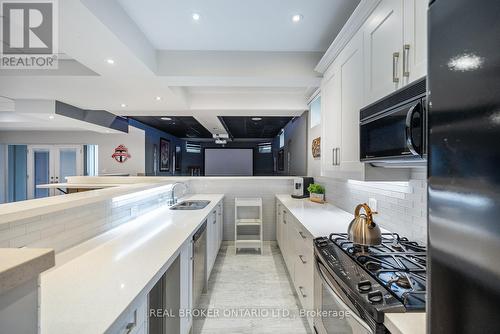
[[67, 228], [401, 206]]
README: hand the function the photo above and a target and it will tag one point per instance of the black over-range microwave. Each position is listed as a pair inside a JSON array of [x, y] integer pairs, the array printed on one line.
[[394, 128]]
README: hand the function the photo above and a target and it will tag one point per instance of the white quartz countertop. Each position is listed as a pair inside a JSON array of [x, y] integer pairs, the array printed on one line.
[[319, 219], [19, 265], [406, 323], [323, 219], [41, 206], [90, 291], [77, 185]]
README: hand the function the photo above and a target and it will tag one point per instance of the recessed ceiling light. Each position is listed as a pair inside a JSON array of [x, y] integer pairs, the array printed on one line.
[[165, 118], [123, 105], [196, 16], [256, 118], [158, 98], [51, 117], [110, 61], [297, 17]]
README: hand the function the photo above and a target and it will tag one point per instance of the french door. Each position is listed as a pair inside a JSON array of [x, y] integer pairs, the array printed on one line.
[[52, 164]]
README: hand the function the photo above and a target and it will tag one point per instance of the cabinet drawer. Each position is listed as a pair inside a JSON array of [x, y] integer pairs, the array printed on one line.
[[132, 321], [304, 281]]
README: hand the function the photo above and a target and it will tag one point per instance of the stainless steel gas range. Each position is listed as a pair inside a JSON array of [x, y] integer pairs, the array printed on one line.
[[354, 286]]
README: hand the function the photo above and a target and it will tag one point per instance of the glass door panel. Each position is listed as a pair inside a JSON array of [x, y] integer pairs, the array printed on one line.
[[67, 164], [41, 171]]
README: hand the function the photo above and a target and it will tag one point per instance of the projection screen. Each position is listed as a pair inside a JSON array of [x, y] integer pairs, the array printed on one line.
[[228, 162]]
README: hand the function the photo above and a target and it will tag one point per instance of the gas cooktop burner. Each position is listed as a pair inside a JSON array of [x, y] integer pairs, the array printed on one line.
[[397, 264]]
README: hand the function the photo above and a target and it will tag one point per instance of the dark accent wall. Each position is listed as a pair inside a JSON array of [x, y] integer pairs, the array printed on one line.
[[295, 148], [152, 137], [263, 162]]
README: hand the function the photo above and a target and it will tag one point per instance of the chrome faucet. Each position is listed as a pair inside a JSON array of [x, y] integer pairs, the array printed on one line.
[[172, 200]]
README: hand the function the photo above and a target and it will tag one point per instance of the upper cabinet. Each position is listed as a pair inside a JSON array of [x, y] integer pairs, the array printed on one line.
[[415, 40], [342, 97], [395, 39], [385, 50], [383, 40]]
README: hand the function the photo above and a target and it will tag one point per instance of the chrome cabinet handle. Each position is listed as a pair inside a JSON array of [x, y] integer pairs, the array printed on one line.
[[301, 257], [333, 156], [130, 326], [406, 60], [337, 155], [302, 235], [395, 61], [301, 289]]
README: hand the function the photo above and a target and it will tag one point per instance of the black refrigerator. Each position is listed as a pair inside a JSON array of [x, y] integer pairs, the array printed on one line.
[[464, 166]]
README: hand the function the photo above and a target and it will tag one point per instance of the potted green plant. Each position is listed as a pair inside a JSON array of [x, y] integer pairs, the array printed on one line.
[[317, 192]]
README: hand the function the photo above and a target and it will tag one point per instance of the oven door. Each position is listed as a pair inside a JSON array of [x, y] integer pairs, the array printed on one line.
[[395, 135], [334, 314]]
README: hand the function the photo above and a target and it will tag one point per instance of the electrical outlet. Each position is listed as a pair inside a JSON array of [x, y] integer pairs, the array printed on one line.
[[372, 203]]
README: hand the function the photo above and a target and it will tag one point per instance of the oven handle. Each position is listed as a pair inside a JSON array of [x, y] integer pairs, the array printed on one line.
[[409, 130], [339, 300]]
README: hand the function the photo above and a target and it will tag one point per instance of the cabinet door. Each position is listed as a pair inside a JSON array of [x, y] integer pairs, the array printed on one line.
[[330, 121], [220, 226], [351, 77], [383, 39], [211, 242], [415, 40], [278, 223]]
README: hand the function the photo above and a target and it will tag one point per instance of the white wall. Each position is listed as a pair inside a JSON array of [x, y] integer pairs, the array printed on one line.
[[313, 164], [265, 188], [134, 140]]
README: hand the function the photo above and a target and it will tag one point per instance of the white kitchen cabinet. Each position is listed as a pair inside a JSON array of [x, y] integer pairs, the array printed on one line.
[[415, 40], [212, 241], [296, 245], [395, 39], [215, 226], [344, 99], [219, 224], [330, 121], [383, 40], [387, 52], [303, 266], [279, 222]]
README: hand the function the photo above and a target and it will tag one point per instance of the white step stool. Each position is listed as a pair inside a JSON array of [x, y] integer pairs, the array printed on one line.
[[253, 240]]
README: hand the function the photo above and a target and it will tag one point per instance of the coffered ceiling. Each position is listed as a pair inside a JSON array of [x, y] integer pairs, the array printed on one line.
[[241, 58]]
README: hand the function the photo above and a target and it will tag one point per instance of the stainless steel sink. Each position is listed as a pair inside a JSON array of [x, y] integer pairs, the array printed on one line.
[[190, 205]]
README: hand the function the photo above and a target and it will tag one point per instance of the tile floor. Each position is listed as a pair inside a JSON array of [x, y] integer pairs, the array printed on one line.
[[248, 282]]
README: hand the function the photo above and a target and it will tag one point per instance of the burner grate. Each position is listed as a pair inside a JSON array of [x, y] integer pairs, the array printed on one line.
[[397, 264]]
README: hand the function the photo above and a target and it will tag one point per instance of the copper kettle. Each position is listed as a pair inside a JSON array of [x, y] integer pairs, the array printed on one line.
[[362, 229]]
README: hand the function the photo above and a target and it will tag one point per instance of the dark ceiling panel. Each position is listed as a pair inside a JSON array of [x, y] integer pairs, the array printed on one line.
[[179, 126], [245, 127]]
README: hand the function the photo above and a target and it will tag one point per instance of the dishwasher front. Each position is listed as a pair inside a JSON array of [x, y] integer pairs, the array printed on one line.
[[199, 262]]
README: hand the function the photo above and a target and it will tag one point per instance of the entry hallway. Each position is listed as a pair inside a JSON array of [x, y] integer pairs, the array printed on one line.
[[249, 281]]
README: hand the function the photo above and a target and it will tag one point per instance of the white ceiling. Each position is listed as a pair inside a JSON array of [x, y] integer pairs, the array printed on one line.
[[240, 25], [203, 84]]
